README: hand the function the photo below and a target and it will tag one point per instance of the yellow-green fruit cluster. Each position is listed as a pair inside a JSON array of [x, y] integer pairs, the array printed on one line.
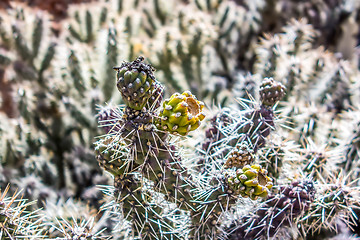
[[135, 81], [181, 114], [251, 181]]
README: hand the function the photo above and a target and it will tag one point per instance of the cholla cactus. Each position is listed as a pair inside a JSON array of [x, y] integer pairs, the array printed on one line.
[[14, 221], [277, 212], [134, 149], [335, 202], [169, 181], [71, 220], [149, 154], [48, 129]]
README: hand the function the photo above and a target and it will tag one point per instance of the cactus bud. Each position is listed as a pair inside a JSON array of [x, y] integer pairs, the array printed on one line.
[[271, 91], [239, 157], [136, 82]]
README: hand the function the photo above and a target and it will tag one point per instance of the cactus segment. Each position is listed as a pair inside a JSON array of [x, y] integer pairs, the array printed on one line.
[[258, 125], [110, 154], [277, 212], [181, 114], [136, 82]]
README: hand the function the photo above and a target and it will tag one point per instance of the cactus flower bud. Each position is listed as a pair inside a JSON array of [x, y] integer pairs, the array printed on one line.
[[136, 82], [271, 91]]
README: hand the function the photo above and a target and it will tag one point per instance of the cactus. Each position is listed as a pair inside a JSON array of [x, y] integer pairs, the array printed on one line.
[[337, 202], [243, 155], [271, 92], [135, 83], [272, 157], [15, 222], [70, 220], [277, 212], [149, 155], [56, 160], [157, 161], [170, 180]]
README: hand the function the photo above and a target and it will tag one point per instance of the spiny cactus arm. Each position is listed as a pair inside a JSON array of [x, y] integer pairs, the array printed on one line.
[[233, 129], [49, 55], [148, 219], [166, 57], [15, 221], [280, 210], [20, 44], [272, 156], [111, 56], [111, 155], [169, 176], [27, 42], [84, 31], [337, 200], [210, 205], [258, 123], [145, 149], [114, 156]]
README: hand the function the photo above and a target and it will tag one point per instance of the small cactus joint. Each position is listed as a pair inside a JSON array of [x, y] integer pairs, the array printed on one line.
[[136, 82], [271, 92], [242, 155]]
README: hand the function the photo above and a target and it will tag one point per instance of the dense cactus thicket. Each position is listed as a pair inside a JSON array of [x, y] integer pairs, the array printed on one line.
[[166, 119]]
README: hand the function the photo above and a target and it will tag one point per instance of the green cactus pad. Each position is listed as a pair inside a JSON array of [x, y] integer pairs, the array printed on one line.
[[251, 181], [271, 92], [181, 114], [136, 82]]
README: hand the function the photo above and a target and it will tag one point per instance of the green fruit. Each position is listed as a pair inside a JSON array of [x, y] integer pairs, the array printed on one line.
[[181, 114], [251, 181]]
